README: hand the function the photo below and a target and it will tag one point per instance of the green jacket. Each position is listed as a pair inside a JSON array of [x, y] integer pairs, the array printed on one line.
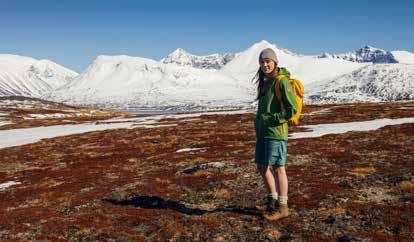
[[271, 122]]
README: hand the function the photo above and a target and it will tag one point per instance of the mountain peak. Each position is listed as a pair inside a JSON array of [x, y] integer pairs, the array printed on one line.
[[369, 47], [262, 45], [263, 42], [183, 58], [180, 51]]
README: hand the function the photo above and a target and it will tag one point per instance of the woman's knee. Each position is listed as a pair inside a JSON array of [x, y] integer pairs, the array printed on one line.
[[280, 170]]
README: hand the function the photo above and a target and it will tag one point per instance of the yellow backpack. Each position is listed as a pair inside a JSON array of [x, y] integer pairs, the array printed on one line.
[[299, 90]]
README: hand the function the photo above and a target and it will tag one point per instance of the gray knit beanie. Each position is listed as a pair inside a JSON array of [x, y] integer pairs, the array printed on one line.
[[269, 54]]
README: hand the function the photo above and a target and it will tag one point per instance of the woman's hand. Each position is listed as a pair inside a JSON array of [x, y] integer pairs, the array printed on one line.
[[269, 119]]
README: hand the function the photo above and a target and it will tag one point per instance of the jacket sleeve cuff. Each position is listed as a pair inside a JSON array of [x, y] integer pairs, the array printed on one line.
[[279, 119]]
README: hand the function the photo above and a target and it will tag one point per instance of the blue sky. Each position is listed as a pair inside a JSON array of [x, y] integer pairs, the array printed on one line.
[[73, 33]]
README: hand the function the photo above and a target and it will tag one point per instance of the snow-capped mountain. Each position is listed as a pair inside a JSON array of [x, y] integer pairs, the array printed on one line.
[[372, 83], [183, 58], [25, 76], [126, 81], [365, 54], [307, 68]]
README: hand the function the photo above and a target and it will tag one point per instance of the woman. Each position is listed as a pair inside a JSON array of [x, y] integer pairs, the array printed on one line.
[[271, 125]]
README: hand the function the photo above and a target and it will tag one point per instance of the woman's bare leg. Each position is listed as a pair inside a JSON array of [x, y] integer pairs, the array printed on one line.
[[276, 180], [268, 178], [282, 180]]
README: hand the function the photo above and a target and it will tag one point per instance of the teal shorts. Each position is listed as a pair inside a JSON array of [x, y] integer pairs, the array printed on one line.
[[270, 152]]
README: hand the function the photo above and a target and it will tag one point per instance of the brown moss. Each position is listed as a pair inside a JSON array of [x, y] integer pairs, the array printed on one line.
[[65, 181]]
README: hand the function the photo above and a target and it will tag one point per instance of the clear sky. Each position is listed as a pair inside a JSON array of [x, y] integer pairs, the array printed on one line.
[[73, 33]]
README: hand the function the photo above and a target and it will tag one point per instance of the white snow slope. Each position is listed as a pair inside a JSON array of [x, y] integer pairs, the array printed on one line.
[[25, 76], [403, 56], [373, 83], [126, 81]]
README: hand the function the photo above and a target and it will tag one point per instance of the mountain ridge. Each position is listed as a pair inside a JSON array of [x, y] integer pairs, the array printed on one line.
[[374, 55], [123, 80], [26, 76]]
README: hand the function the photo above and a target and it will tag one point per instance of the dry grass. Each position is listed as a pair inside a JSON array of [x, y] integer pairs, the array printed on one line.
[[362, 171]]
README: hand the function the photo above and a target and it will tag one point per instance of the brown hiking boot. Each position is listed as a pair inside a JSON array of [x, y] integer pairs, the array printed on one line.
[[270, 205], [282, 212]]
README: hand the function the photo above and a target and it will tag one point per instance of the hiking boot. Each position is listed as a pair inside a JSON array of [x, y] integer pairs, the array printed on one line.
[[270, 205], [282, 212]]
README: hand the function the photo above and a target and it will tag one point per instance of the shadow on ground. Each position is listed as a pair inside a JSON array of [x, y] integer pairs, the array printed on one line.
[[154, 202]]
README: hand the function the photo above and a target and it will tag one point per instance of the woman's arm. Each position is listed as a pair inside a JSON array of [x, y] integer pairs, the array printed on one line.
[[289, 102]]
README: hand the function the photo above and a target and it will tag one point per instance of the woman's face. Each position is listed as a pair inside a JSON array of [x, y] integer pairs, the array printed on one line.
[[267, 66]]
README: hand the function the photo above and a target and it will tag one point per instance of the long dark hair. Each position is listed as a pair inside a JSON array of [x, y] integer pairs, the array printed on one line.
[[258, 79]]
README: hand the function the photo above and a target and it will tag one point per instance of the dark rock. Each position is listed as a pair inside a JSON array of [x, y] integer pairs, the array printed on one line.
[[394, 229], [347, 239], [345, 184], [329, 220]]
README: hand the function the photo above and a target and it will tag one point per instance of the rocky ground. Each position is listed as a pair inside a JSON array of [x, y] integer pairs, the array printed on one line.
[[144, 184]]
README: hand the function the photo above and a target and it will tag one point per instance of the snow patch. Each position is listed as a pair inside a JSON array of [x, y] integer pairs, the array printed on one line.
[[340, 128], [191, 149], [2, 123], [319, 112], [15, 137], [5, 185], [157, 126], [56, 115]]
